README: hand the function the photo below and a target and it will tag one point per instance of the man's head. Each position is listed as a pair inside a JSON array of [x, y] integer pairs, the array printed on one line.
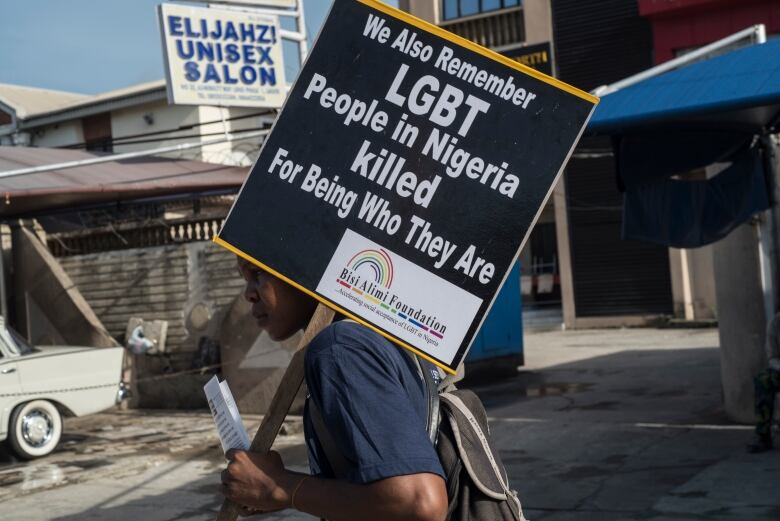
[[278, 308]]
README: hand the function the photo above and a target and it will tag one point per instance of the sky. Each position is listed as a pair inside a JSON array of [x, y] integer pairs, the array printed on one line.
[[91, 46]]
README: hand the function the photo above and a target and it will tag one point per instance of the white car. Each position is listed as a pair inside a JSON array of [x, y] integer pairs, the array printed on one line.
[[40, 385]]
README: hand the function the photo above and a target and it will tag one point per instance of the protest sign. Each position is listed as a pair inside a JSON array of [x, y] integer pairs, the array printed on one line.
[[224, 58], [403, 175]]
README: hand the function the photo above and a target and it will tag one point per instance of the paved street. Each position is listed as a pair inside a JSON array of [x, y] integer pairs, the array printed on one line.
[[607, 425], [627, 425]]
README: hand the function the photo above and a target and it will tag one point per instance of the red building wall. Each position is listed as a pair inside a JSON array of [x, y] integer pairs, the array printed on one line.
[[683, 24]]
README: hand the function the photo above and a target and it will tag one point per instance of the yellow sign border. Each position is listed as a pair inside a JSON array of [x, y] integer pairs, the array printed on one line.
[[328, 303], [468, 44]]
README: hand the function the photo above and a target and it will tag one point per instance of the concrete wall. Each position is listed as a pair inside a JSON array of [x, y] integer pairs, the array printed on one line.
[[133, 121], [428, 10], [693, 283], [61, 134], [538, 21], [741, 319], [162, 283]]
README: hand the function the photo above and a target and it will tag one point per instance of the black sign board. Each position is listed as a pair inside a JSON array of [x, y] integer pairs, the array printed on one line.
[[404, 173], [537, 56]]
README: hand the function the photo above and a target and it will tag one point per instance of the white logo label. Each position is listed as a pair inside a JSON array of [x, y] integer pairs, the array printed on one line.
[[409, 302]]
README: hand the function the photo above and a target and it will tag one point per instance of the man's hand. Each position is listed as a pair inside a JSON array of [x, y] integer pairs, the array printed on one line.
[[257, 481]]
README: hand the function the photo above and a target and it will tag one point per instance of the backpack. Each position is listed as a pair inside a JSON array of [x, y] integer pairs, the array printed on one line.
[[477, 483]]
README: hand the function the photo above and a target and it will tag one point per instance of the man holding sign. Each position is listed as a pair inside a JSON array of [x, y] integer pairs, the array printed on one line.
[[397, 187], [373, 402]]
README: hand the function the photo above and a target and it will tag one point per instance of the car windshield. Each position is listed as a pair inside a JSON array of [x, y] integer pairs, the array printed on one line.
[[22, 344], [15, 342]]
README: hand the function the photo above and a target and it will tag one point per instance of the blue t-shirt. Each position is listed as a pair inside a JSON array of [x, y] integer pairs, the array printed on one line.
[[372, 401]]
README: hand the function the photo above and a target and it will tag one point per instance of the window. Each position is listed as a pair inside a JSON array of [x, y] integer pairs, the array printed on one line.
[[14, 342], [97, 132], [457, 8]]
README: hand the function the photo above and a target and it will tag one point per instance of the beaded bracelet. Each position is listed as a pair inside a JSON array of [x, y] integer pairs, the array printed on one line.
[[295, 491]]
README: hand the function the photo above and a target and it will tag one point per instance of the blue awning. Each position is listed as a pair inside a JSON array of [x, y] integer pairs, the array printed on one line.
[[740, 89]]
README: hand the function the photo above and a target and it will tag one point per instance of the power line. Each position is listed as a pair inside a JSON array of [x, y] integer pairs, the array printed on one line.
[[119, 140], [128, 155], [169, 138]]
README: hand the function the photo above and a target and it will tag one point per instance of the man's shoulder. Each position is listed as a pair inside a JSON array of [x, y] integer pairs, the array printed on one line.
[[346, 333], [347, 342]]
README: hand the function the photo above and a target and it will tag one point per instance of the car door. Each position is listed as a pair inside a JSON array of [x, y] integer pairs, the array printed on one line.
[[10, 386], [9, 376]]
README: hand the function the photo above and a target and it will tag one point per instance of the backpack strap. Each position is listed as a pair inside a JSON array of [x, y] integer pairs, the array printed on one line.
[[475, 449], [335, 457], [429, 375], [449, 381]]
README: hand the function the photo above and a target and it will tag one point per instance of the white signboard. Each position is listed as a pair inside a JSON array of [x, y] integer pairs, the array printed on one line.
[[223, 58], [440, 316]]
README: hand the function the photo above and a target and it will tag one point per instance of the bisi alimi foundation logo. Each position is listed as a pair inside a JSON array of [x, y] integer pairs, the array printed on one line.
[[369, 275], [378, 262]]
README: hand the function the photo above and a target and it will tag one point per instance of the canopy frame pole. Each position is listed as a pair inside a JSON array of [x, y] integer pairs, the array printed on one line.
[[768, 224], [756, 32]]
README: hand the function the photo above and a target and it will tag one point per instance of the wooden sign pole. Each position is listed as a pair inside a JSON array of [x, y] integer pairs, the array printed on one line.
[[283, 399]]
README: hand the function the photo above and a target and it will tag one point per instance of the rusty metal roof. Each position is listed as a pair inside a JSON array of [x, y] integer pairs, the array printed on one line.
[[108, 182]]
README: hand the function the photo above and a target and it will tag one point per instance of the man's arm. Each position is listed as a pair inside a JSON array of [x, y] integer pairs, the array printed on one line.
[[261, 482]]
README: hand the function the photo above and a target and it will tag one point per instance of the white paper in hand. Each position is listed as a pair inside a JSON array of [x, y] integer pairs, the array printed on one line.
[[223, 407]]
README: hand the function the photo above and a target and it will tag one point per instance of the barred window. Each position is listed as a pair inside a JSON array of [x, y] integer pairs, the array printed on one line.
[[458, 8]]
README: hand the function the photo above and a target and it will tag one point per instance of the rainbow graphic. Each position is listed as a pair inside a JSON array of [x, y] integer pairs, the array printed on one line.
[[376, 260]]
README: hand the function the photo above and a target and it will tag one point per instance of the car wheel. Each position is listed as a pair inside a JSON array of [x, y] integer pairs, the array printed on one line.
[[35, 429]]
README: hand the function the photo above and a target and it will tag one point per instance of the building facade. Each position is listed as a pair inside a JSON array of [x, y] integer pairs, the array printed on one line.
[[597, 278], [125, 120], [151, 259], [683, 25], [576, 269]]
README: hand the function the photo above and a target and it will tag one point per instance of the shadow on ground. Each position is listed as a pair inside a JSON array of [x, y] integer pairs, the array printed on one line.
[[630, 435]]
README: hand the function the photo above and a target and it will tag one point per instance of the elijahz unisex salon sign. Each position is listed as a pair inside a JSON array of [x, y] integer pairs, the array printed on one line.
[[221, 57], [403, 175]]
